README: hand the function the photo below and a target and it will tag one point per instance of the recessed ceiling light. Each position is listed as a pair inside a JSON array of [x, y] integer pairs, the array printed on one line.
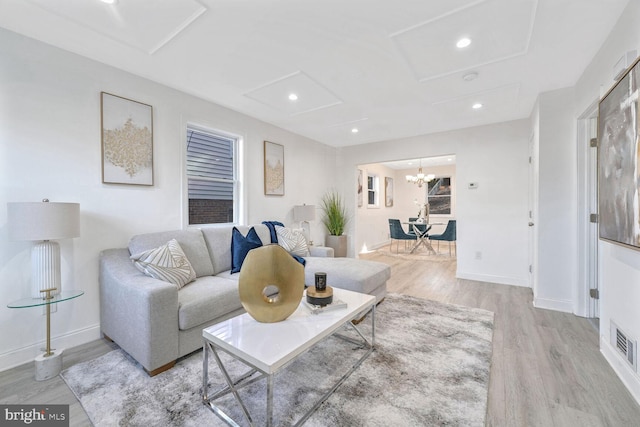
[[470, 76], [109, 1], [293, 97], [449, 159], [463, 42], [354, 130], [476, 106]]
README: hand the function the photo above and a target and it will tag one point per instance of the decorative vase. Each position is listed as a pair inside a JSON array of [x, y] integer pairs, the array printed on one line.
[[423, 215], [339, 245]]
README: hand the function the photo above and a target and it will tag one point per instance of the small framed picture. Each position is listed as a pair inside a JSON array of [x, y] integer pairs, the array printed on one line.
[[127, 141], [273, 169], [388, 191]]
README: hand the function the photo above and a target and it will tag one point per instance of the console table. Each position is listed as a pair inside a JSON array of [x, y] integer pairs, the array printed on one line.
[[49, 364]]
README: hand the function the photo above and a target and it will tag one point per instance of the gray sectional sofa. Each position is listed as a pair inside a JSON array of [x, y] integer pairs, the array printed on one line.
[[156, 323]]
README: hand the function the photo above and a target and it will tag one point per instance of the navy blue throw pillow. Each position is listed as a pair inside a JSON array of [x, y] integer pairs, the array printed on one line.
[[241, 245]]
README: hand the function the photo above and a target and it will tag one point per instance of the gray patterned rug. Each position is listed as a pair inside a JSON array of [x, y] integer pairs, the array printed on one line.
[[430, 367]]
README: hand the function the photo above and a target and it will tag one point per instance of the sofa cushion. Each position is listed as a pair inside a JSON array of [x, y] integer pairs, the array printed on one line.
[[292, 240], [167, 262], [205, 300], [356, 275], [241, 245], [218, 240], [191, 241]]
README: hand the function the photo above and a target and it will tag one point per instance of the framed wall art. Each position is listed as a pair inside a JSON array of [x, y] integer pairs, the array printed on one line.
[[127, 141], [388, 191], [273, 169], [359, 188], [618, 176]]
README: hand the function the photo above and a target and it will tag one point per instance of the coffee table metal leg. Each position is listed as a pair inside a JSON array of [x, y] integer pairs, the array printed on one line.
[[373, 325], [205, 372], [355, 366], [232, 387], [269, 400]]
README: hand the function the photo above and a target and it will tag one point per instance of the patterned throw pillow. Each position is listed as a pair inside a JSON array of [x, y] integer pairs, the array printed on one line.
[[167, 262], [241, 245], [292, 240]]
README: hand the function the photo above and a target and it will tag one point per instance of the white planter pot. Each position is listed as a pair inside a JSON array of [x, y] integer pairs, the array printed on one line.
[[338, 243]]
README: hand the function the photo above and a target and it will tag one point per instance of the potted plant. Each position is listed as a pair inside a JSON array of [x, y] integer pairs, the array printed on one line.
[[335, 219]]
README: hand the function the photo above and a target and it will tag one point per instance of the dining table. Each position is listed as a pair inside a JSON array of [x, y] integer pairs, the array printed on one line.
[[422, 237]]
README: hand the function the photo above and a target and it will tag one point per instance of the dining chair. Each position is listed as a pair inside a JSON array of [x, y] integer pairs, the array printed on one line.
[[396, 232], [448, 235]]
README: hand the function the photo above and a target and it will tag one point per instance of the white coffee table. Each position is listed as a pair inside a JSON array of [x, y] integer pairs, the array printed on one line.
[[268, 347]]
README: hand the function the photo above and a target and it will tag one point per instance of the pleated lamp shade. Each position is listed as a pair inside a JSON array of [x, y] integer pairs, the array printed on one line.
[[43, 222]]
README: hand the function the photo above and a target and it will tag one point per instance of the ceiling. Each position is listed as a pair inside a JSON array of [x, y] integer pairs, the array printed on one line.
[[390, 69], [425, 162]]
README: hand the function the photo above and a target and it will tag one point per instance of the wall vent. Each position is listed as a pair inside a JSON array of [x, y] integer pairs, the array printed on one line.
[[625, 345]]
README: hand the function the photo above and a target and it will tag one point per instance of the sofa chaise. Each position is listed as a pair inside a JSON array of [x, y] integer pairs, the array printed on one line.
[[156, 323]]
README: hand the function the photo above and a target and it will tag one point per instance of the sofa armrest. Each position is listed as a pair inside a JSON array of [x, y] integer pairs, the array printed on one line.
[[321, 251], [138, 312]]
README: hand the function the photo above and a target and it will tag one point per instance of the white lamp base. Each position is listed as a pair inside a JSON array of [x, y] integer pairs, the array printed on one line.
[[48, 366], [45, 268]]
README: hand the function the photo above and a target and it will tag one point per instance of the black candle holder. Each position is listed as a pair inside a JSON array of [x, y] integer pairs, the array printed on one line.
[[321, 282]]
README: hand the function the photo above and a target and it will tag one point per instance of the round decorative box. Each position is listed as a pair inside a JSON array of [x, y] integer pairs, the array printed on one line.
[[322, 298]]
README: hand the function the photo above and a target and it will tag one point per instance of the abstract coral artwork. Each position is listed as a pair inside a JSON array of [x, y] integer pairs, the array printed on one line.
[[127, 141]]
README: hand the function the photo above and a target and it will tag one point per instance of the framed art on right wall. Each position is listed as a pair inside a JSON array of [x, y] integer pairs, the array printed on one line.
[[618, 176]]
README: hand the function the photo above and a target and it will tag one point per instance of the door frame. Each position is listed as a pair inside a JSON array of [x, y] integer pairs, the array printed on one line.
[[532, 214], [588, 260]]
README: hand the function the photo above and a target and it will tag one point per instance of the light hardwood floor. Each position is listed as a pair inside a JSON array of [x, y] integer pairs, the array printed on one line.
[[546, 366]]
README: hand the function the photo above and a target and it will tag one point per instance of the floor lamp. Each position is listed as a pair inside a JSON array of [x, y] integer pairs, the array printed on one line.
[[305, 213]]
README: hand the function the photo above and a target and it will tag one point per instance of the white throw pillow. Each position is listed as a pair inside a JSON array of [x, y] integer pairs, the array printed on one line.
[[167, 262], [292, 240]]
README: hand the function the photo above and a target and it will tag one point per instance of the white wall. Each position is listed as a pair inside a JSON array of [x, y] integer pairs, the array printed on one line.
[[619, 266], [50, 147], [556, 267], [492, 219], [372, 221]]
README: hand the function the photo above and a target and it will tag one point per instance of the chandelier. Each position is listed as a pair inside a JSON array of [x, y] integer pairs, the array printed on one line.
[[420, 178]]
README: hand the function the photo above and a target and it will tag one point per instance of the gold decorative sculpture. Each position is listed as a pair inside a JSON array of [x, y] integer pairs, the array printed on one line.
[[271, 284]]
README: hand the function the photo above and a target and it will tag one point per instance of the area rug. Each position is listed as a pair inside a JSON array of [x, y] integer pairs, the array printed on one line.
[[430, 367], [421, 253]]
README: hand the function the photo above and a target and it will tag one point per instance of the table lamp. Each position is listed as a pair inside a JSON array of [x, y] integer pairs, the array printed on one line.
[[44, 222], [304, 214]]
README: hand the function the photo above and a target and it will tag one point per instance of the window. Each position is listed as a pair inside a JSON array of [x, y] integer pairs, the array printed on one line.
[[372, 191], [211, 176], [440, 196]]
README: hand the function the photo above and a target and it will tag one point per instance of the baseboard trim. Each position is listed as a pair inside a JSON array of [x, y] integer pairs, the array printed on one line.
[[622, 369], [20, 356], [552, 304], [501, 280]]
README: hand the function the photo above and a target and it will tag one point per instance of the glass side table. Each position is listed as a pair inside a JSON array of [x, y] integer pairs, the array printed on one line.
[[49, 364]]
